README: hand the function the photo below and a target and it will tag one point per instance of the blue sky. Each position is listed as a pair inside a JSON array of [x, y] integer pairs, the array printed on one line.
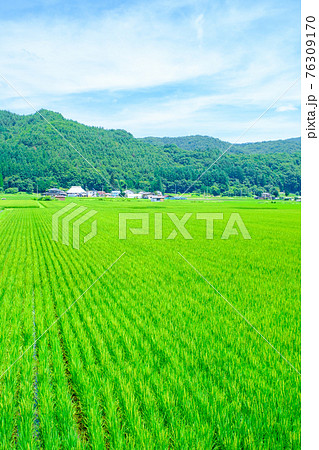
[[156, 68]]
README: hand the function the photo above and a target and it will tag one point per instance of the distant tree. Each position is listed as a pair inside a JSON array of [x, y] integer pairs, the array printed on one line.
[[112, 180], [274, 192], [157, 185], [215, 189], [28, 186], [43, 184], [12, 190], [258, 192]]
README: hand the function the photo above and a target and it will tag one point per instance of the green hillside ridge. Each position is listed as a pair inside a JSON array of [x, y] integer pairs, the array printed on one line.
[[32, 155], [195, 143]]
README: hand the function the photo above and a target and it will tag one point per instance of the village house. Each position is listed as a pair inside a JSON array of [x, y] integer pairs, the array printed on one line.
[[157, 198], [54, 192], [115, 194], [266, 196], [130, 194], [76, 191], [92, 193], [146, 195]]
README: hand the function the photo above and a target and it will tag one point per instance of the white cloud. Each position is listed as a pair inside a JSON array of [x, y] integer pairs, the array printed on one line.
[[225, 116], [133, 48], [109, 53], [199, 27], [285, 108], [147, 47]]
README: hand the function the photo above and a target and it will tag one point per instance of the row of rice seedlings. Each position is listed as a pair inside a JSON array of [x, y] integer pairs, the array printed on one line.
[[64, 406], [56, 411], [13, 332], [134, 423], [26, 419], [76, 365], [84, 355], [25, 422]]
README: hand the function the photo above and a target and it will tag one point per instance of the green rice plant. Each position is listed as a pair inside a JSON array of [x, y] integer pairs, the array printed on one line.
[[151, 356]]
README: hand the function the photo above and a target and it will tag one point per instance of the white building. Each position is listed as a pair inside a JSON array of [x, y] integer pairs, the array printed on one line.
[[266, 196], [92, 193], [157, 198], [146, 195], [76, 191], [115, 193], [130, 194]]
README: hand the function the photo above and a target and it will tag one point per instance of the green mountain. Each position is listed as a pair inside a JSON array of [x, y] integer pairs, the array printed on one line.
[[33, 153], [206, 143]]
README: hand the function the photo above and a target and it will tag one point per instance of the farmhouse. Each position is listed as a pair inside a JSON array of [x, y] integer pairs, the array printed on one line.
[[115, 193], [157, 198], [266, 196], [54, 192], [130, 194], [76, 191], [143, 194]]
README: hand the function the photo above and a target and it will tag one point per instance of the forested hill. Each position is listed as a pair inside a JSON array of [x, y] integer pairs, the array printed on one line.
[[194, 143], [33, 154]]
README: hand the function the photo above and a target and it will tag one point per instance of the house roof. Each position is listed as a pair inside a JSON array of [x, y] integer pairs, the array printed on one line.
[[76, 190], [54, 192]]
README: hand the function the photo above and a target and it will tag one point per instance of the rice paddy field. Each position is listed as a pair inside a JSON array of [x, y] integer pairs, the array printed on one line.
[[149, 355]]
